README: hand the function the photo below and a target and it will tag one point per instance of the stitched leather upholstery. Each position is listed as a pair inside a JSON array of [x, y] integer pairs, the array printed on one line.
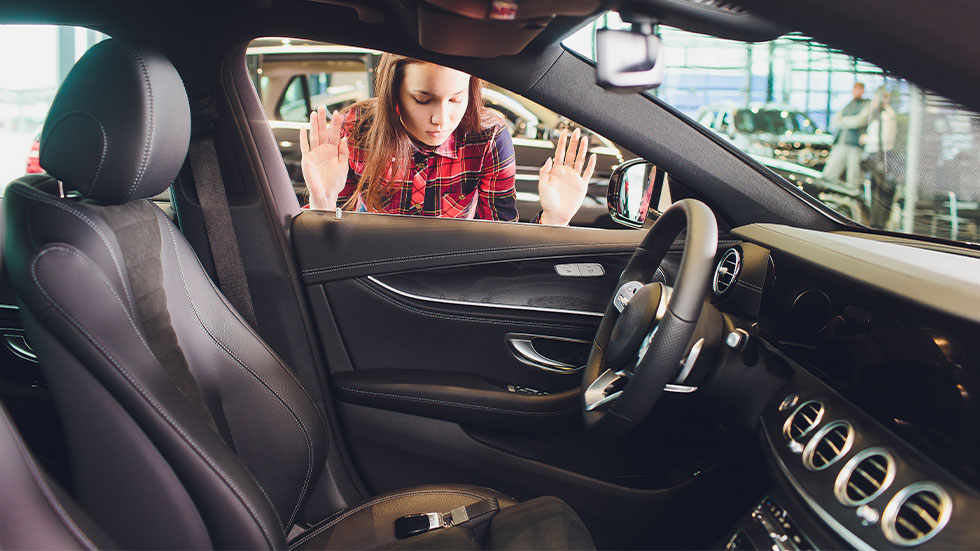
[[237, 479], [194, 436], [118, 128]]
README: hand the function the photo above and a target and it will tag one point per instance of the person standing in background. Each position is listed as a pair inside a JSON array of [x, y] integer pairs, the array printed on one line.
[[850, 123], [878, 142]]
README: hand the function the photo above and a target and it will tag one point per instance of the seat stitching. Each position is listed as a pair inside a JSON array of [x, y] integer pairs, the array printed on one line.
[[222, 346], [105, 142], [457, 404], [347, 514], [453, 317], [105, 280], [153, 404], [40, 196], [49, 496], [152, 126], [245, 326], [468, 252]]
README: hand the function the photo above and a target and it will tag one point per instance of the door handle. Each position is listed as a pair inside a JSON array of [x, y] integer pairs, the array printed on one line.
[[17, 344], [521, 346]]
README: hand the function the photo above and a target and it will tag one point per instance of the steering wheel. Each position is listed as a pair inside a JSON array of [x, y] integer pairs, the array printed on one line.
[[645, 329]]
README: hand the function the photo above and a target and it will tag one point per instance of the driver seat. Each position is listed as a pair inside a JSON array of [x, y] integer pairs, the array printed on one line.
[[185, 429]]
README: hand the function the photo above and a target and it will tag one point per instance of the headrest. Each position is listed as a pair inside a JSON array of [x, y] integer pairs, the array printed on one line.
[[119, 126]]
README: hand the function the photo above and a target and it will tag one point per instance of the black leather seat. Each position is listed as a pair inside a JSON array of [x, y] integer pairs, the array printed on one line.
[[185, 429], [35, 513]]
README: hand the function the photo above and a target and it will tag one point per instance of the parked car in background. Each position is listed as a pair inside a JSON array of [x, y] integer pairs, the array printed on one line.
[[776, 131], [33, 156], [293, 77]]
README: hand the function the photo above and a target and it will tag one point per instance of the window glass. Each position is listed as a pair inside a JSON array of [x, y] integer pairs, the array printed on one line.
[[295, 100], [29, 78], [288, 71], [898, 157]]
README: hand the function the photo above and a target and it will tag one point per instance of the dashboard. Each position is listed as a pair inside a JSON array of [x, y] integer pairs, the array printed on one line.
[[873, 443]]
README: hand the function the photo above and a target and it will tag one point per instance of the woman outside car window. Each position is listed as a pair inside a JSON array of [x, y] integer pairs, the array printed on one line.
[[426, 146]]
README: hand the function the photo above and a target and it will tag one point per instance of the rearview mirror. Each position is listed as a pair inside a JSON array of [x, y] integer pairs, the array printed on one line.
[[631, 186], [628, 60]]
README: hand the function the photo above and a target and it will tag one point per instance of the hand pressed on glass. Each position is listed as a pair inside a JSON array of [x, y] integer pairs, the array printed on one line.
[[564, 179], [325, 159]]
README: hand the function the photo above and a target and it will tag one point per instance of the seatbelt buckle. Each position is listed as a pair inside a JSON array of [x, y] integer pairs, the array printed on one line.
[[413, 525]]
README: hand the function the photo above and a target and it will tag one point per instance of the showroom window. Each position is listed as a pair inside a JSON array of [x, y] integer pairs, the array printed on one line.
[[29, 78], [783, 102]]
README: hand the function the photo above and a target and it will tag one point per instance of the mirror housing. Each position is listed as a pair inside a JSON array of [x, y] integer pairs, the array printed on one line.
[[629, 60], [631, 186]]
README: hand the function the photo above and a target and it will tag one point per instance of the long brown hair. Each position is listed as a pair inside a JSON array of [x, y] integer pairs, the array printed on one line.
[[380, 132]]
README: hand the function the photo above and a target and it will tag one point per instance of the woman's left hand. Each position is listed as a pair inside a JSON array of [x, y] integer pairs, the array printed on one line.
[[564, 179]]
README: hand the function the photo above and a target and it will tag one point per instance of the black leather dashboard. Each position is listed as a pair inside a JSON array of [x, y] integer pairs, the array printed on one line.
[[872, 443]]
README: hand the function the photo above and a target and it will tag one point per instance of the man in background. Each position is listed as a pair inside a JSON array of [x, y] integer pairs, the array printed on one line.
[[850, 123], [878, 142]]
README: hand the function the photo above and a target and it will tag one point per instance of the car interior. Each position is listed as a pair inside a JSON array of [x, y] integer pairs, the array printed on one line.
[[193, 360]]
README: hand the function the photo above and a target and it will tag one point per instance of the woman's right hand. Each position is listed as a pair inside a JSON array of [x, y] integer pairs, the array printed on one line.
[[325, 159]]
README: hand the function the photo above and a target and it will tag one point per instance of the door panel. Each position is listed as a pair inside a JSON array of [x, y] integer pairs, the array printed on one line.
[[478, 322], [442, 339]]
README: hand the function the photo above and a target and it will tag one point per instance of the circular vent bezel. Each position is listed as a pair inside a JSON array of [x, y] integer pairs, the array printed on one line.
[[817, 440], [816, 422], [890, 516], [716, 282], [850, 469]]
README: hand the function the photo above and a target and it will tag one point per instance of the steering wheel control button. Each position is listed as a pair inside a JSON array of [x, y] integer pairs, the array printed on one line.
[[736, 339], [869, 515], [588, 269], [625, 293], [789, 402], [638, 320]]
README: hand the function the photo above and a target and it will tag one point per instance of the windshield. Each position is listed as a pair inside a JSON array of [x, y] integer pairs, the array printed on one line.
[[870, 145]]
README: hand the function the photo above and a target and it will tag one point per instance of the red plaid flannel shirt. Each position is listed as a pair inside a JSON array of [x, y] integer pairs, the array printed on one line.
[[469, 176]]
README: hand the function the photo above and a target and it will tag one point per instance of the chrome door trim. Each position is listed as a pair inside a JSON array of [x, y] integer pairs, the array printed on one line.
[[413, 296], [522, 348], [18, 346]]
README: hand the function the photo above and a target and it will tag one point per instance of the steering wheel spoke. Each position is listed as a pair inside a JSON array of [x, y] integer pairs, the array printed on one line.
[[606, 388], [641, 347]]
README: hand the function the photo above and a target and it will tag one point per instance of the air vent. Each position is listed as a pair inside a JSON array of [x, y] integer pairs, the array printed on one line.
[[726, 272], [828, 445], [803, 420], [865, 477], [916, 514]]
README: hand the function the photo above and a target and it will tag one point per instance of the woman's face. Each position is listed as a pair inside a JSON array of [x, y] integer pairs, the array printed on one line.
[[432, 101]]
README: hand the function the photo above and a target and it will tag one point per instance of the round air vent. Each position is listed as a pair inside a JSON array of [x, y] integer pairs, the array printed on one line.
[[828, 445], [726, 272], [804, 419], [916, 514], [865, 477]]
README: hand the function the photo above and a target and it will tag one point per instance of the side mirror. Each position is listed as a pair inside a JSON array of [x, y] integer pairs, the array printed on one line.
[[632, 185]]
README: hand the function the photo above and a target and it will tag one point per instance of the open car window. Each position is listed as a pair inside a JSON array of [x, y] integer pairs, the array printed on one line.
[[908, 163], [294, 76]]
